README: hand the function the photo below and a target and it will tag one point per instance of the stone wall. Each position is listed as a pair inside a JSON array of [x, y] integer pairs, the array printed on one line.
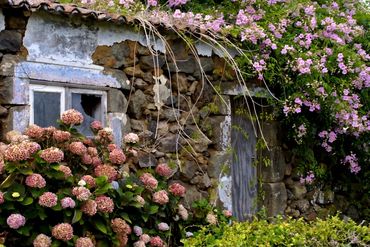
[[179, 106]]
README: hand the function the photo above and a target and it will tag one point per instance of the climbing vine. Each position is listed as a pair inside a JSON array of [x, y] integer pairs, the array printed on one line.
[[312, 57]]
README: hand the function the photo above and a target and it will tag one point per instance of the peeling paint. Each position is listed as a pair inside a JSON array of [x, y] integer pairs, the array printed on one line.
[[117, 122], [2, 21], [226, 133], [21, 119], [224, 192], [67, 74]]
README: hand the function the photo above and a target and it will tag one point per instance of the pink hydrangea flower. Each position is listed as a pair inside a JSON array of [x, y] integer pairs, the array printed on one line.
[[72, 117], [140, 200], [61, 136], [138, 231], [77, 148], [120, 226], [211, 219], [183, 212], [106, 170], [48, 199], [81, 193], [92, 151], [117, 156], [2, 165], [105, 204], [105, 136], [177, 189], [131, 138], [89, 207], [227, 213], [42, 240], [90, 180], [96, 125], [66, 170], [52, 155], [17, 152], [160, 197], [139, 244], [156, 242], [163, 227], [175, 3], [67, 202], [35, 181], [163, 170], [86, 159], [145, 238], [34, 131], [149, 181], [84, 242], [96, 161], [16, 221], [63, 231]]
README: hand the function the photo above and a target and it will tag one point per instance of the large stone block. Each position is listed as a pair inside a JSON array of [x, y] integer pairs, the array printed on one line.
[[14, 91], [151, 62], [8, 63], [219, 162], [17, 119], [218, 129], [272, 165], [116, 101], [137, 104], [270, 131], [275, 198], [10, 41]]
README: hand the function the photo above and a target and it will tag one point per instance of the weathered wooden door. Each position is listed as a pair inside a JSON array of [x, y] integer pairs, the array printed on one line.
[[243, 169]]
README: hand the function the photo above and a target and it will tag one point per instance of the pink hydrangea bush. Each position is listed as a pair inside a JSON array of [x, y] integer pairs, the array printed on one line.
[[55, 187]]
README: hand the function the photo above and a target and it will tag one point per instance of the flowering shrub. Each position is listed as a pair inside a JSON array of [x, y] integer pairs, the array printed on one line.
[[51, 196]]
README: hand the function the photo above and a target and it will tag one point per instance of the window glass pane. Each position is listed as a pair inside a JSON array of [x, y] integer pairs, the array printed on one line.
[[90, 105], [46, 108]]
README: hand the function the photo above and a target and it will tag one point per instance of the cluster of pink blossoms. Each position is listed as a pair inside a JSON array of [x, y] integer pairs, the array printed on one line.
[[149, 181], [81, 193], [61, 136], [163, 170], [120, 226], [89, 207], [21, 151], [177, 189], [352, 161], [66, 170], [160, 197], [35, 180], [131, 138], [42, 240], [72, 117], [116, 156], [156, 242], [34, 131], [48, 199], [84, 242], [104, 204], [77, 148], [309, 179], [16, 221], [63, 231], [67, 202], [52, 155], [106, 170]]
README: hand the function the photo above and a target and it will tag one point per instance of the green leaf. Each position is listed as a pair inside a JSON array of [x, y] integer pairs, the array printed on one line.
[[153, 209], [27, 201], [8, 181], [125, 217], [145, 217], [25, 170], [77, 216], [101, 181], [103, 189], [101, 226]]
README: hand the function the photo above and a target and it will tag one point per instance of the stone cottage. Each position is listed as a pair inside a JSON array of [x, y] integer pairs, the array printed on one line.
[[58, 56]]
